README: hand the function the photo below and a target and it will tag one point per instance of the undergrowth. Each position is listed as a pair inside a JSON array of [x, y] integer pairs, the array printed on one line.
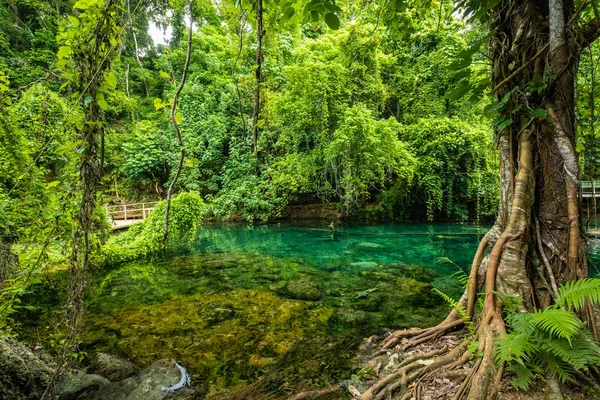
[[145, 238]]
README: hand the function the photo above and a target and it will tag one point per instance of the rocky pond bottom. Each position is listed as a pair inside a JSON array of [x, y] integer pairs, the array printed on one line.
[[271, 310]]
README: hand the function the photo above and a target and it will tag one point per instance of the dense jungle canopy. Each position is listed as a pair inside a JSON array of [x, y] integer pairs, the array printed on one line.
[[257, 111]]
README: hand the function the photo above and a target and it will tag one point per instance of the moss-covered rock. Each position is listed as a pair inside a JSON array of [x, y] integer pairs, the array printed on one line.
[[24, 374], [344, 318], [112, 368], [303, 289]]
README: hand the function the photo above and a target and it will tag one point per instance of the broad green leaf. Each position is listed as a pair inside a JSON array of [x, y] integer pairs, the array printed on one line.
[[332, 21], [165, 75], [111, 80], [289, 12], [504, 124], [178, 117], [538, 112], [74, 21], [102, 103], [158, 104], [52, 184], [460, 63], [458, 92], [64, 52]]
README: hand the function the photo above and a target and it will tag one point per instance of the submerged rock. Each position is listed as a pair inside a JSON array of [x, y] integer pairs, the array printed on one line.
[[366, 246], [364, 264], [348, 318], [302, 289], [216, 315]]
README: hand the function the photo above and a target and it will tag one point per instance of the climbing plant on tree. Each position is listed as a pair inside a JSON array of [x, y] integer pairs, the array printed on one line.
[[89, 40]]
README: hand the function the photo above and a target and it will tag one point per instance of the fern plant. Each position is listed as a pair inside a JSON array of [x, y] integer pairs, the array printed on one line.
[[553, 340], [461, 311]]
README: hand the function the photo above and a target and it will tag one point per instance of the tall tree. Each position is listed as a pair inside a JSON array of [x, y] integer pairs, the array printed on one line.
[[257, 74], [175, 118], [536, 242]]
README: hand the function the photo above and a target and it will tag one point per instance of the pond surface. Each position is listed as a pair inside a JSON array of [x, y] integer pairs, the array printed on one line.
[[280, 305]]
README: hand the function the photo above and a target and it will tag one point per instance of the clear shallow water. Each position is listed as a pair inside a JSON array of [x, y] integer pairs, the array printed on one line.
[[279, 303]]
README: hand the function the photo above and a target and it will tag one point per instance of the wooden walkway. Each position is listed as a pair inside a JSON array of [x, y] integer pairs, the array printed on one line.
[[590, 189], [124, 215]]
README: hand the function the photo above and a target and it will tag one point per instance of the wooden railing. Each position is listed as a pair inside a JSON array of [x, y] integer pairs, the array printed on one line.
[[131, 211], [590, 188]]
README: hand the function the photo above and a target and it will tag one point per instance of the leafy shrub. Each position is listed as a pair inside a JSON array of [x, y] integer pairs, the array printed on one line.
[[145, 238], [552, 340]]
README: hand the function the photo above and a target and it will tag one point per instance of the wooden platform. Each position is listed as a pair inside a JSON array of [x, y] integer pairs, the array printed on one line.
[[123, 223], [590, 189], [122, 216]]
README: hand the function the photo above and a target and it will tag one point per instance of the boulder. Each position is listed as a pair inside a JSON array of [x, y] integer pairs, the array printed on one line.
[[302, 289], [348, 318], [148, 385], [113, 368], [163, 373], [24, 374], [77, 385]]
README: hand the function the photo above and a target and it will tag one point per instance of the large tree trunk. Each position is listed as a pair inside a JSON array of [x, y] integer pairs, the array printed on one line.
[[536, 242], [541, 243]]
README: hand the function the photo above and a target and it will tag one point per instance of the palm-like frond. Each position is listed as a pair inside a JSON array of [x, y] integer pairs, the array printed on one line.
[[515, 347], [574, 293], [560, 323], [524, 375], [580, 353]]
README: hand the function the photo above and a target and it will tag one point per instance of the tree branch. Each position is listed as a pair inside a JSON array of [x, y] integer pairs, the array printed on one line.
[[176, 126], [588, 33]]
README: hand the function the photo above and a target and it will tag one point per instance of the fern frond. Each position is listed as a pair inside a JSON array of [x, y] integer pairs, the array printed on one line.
[[515, 347], [461, 311], [524, 375], [522, 323], [560, 323], [574, 293], [462, 277], [581, 353], [562, 369]]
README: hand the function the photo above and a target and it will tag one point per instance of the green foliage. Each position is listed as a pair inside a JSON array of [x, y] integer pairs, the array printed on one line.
[[145, 238], [576, 293], [145, 154], [364, 153], [455, 166], [552, 340]]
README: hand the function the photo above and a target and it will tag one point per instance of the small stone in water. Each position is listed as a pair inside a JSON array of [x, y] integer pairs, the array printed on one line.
[[353, 391]]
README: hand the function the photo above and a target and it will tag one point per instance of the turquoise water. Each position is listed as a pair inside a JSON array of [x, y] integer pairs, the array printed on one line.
[[418, 244], [278, 303]]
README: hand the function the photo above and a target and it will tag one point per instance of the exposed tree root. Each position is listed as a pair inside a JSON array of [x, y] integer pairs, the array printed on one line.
[[317, 394], [420, 335]]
